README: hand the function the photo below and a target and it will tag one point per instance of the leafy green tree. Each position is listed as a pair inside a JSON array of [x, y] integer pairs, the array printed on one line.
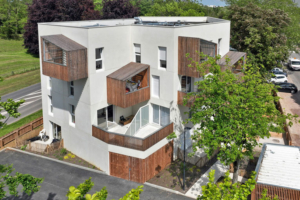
[[175, 8], [13, 16], [227, 191], [80, 193], [242, 107], [260, 33], [29, 183]]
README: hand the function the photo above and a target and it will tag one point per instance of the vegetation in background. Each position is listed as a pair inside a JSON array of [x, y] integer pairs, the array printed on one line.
[[52, 11], [260, 33], [292, 31], [80, 192], [13, 15], [117, 9], [13, 126], [29, 183], [242, 108], [225, 190]]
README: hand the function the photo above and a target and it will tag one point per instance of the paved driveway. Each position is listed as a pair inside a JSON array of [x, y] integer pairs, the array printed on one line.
[[59, 177]]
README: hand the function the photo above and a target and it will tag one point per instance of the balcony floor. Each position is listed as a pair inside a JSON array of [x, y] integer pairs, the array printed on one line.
[[142, 133]]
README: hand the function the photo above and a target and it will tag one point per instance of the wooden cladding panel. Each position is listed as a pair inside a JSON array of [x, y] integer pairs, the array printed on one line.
[[76, 68], [140, 170], [141, 144], [180, 97], [272, 191], [188, 45], [116, 93]]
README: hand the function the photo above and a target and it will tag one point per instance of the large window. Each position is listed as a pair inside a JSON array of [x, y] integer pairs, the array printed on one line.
[[54, 54], [72, 112], [99, 58], [161, 115], [155, 86], [208, 48], [186, 84], [71, 84], [137, 53], [162, 57]]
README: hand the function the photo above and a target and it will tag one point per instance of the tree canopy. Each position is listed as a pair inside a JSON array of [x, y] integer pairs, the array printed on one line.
[[116, 9], [242, 107], [260, 33], [53, 11]]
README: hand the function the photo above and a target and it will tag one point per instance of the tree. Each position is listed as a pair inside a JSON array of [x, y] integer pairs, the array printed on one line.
[[80, 193], [11, 107], [175, 8], [29, 183], [118, 9], [13, 15], [54, 11], [242, 108], [260, 33], [226, 190]]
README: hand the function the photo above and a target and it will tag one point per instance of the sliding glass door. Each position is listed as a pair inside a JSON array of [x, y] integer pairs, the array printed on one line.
[[161, 115]]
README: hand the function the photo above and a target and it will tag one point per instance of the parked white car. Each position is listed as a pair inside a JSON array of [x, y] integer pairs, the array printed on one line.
[[279, 78], [276, 69], [294, 64]]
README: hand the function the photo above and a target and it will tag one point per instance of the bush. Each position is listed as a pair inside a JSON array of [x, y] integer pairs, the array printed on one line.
[[63, 152]]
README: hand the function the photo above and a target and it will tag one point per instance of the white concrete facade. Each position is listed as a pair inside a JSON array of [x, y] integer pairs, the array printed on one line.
[[117, 38]]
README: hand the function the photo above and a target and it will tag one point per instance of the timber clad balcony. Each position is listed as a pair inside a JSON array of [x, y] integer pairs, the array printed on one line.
[[63, 58], [133, 142], [180, 99], [129, 85], [191, 45]]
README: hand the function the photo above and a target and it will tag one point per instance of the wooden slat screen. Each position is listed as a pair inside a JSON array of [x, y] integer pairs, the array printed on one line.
[[272, 191], [180, 97], [141, 144]]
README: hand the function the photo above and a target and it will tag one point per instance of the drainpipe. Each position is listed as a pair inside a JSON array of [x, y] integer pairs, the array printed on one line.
[[184, 159]]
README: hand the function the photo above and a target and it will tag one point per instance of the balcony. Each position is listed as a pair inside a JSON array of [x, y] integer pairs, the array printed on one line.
[[63, 58], [191, 45], [129, 85]]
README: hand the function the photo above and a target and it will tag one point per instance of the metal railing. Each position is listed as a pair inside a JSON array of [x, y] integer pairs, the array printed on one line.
[[140, 120]]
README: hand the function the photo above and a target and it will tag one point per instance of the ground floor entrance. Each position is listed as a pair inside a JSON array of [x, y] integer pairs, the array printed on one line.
[[56, 131]]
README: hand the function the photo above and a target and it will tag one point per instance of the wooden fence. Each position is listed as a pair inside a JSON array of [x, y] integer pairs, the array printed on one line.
[[272, 191], [20, 131]]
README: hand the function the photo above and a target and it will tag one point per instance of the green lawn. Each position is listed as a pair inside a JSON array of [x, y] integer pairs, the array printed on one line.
[[14, 59], [11, 127]]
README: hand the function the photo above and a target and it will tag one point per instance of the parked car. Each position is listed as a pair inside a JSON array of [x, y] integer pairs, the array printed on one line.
[[290, 87], [276, 69], [279, 78], [294, 64], [279, 72]]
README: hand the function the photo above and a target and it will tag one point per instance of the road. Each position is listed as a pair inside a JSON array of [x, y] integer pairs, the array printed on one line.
[[33, 101], [295, 75]]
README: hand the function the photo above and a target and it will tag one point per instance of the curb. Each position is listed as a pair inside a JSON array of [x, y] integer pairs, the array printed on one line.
[[62, 162], [165, 189]]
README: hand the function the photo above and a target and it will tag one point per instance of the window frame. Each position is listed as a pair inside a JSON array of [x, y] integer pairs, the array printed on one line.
[[99, 59], [160, 60], [64, 54], [71, 88], [50, 104], [159, 114], [137, 53], [72, 114], [152, 86]]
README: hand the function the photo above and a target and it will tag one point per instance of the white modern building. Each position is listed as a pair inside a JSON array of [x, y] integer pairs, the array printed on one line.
[[113, 89]]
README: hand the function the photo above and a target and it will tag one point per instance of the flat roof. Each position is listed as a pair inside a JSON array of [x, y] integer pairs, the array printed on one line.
[[139, 21], [279, 165], [63, 42]]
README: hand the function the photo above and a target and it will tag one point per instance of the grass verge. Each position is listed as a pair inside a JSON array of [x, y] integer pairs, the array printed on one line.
[[11, 127]]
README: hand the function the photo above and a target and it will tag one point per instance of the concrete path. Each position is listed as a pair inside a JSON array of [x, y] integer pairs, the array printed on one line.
[[59, 177], [33, 101], [196, 189]]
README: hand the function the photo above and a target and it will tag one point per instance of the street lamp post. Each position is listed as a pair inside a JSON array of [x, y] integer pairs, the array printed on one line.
[[184, 159]]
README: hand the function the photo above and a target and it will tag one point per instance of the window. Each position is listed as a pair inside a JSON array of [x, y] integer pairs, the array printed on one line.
[[72, 112], [54, 54], [99, 58], [50, 104], [219, 46], [50, 83], [186, 84], [155, 86], [208, 48], [137, 53], [162, 57], [161, 115], [72, 88]]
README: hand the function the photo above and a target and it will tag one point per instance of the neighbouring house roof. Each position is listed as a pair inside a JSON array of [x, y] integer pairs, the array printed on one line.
[[234, 57], [128, 71], [63, 42], [279, 165]]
